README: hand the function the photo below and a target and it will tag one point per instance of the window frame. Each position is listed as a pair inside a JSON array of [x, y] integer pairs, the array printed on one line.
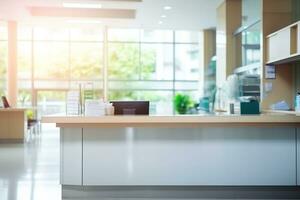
[[105, 81]]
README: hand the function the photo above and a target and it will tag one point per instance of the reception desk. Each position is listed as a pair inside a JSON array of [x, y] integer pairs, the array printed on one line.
[[172, 155], [13, 124]]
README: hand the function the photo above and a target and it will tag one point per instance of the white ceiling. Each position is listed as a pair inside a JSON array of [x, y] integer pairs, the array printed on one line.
[[185, 14]]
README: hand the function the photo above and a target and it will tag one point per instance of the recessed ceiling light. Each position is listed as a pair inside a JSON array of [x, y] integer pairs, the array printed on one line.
[[163, 16], [84, 22], [167, 7], [160, 22], [81, 5]]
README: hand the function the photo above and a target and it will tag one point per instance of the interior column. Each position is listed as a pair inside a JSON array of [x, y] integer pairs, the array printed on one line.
[[12, 68]]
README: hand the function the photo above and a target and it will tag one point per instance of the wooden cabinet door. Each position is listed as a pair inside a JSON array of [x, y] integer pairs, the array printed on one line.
[[4, 131], [279, 45]]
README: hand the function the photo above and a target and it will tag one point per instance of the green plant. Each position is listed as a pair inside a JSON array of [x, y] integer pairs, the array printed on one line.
[[29, 114], [182, 103]]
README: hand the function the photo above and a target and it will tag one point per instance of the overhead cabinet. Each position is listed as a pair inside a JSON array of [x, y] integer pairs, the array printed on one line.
[[283, 45]]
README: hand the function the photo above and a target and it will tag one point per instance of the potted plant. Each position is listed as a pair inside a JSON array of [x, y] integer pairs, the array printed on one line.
[[182, 103]]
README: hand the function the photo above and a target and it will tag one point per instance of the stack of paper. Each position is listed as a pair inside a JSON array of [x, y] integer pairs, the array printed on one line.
[[94, 108], [73, 103], [281, 105]]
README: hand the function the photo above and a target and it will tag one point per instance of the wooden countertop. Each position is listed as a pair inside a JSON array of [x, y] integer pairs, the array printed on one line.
[[12, 109], [174, 121]]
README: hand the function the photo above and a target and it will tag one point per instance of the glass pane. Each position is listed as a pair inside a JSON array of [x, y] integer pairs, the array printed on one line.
[[252, 56], [98, 94], [3, 31], [24, 98], [2, 88], [157, 36], [251, 45], [192, 94], [122, 95], [125, 35], [187, 62], [3, 59], [86, 34], [42, 33], [140, 85], [24, 84], [96, 85], [24, 33], [24, 60], [123, 61], [157, 61], [51, 60], [187, 36], [51, 102], [186, 85], [160, 101], [51, 84], [251, 11], [86, 60]]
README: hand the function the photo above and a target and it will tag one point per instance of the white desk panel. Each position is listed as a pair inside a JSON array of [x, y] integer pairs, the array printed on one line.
[[189, 156], [71, 156], [298, 156]]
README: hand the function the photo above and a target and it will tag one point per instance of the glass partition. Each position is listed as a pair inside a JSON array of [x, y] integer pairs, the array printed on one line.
[[251, 48], [248, 37], [251, 12], [248, 40]]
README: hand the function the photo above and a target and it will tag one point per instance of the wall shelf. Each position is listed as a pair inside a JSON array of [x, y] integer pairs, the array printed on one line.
[[290, 59]]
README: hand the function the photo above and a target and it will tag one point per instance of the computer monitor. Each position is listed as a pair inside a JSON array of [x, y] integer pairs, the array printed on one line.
[[131, 107]]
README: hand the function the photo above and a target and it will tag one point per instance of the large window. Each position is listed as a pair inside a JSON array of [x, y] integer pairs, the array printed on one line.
[[50, 102], [54, 60], [142, 65], [152, 65], [3, 58]]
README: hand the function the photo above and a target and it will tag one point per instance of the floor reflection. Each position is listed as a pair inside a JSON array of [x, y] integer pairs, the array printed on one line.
[[30, 171]]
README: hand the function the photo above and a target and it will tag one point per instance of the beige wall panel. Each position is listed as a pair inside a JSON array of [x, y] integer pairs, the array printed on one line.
[[228, 20], [12, 63], [276, 15], [209, 44], [277, 6], [283, 86]]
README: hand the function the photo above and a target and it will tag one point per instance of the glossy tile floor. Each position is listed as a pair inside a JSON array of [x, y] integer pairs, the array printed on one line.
[[30, 171]]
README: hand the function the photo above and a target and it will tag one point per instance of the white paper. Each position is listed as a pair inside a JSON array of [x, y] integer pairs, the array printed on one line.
[[73, 103], [94, 108], [270, 72]]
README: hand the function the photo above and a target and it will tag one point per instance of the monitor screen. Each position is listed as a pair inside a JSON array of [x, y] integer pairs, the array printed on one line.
[[131, 107]]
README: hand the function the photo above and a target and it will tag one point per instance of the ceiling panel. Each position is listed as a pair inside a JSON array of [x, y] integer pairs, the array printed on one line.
[[185, 14]]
